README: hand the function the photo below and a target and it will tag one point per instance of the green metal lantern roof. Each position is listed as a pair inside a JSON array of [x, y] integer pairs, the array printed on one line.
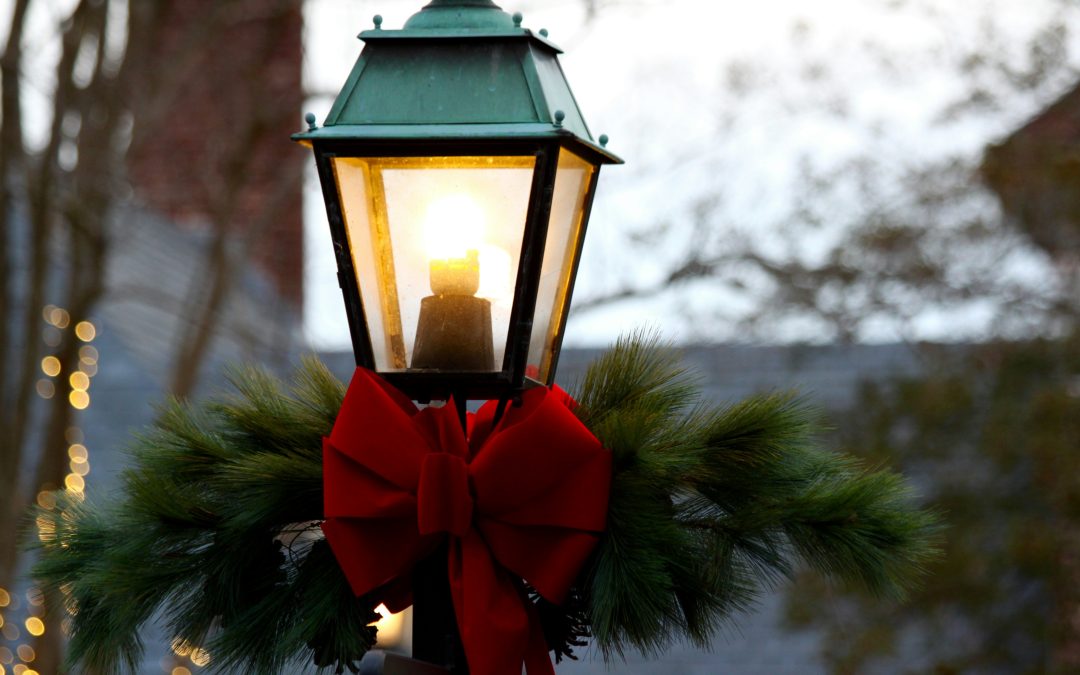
[[458, 69]]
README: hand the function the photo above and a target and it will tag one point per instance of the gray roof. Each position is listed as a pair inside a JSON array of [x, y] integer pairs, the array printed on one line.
[[153, 266]]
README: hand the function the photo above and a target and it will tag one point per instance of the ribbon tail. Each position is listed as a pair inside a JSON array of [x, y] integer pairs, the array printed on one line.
[[493, 621]]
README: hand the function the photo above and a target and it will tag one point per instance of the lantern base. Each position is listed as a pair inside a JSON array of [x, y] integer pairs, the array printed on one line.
[[454, 333]]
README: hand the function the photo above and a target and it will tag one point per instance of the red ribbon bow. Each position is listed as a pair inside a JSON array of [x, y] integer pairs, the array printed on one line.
[[523, 499]]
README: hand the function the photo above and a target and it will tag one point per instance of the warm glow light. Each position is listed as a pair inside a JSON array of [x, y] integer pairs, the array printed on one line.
[[200, 657], [46, 499], [20, 669], [26, 653], [88, 354], [454, 225], [35, 627], [88, 368], [35, 597], [5, 599], [495, 273], [80, 468], [6, 656], [85, 331], [50, 365], [180, 647], [72, 608], [45, 527], [180, 670], [45, 388], [79, 400], [390, 627], [77, 452], [57, 317], [79, 381], [74, 482]]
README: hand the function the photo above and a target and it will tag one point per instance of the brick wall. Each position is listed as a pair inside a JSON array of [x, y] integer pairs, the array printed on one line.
[[211, 144]]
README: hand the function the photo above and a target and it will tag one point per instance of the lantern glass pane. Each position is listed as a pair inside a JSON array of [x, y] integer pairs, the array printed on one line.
[[435, 243], [565, 228]]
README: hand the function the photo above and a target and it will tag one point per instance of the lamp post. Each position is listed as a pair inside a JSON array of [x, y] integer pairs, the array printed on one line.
[[458, 174]]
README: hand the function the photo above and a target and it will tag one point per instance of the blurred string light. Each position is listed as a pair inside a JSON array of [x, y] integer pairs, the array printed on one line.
[[56, 316], [200, 657], [35, 626], [52, 336], [50, 365], [85, 331], [45, 388], [197, 656], [26, 653], [78, 381]]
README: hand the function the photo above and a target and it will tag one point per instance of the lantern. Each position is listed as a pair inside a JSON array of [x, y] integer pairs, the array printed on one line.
[[458, 174]]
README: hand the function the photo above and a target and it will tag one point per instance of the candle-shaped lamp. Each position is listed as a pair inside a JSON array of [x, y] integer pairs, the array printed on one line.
[[454, 328]]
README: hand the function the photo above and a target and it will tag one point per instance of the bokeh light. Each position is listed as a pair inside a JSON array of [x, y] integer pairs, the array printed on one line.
[[80, 381], [79, 400], [85, 331], [200, 657], [50, 365], [45, 388]]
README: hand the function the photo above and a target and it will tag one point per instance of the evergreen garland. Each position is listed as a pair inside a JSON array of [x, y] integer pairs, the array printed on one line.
[[216, 524]]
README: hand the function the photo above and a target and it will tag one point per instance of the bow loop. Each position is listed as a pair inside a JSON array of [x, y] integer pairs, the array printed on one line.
[[524, 499]]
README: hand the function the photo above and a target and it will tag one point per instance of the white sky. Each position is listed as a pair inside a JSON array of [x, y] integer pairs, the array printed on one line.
[[830, 80]]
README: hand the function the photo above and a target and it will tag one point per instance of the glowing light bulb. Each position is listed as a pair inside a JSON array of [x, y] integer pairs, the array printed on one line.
[[454, 233], [454, 225], [453, 331], [390, 627]]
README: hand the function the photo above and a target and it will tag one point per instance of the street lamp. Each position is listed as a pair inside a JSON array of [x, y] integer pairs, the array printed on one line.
[[458, 174]]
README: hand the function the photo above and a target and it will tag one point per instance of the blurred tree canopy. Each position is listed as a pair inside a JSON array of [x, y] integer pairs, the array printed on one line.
[[880, 235], [992, 435]]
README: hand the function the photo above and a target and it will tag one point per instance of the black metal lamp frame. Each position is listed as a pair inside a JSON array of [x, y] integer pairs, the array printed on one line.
[[510, 380]]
